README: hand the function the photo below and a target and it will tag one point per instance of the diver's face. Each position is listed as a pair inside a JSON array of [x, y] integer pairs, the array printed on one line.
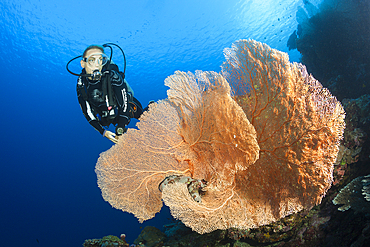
[[94, 63]]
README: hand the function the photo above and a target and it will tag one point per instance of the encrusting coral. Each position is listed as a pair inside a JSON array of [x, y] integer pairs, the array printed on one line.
[[263, 136], [355, 195]]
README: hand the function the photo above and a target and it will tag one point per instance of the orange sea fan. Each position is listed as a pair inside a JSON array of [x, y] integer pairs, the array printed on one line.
[[213, 126], [299, 125], [130, 172], [266, 146]]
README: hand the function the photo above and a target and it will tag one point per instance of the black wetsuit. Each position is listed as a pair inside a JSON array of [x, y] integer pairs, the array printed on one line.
[[101, 111]]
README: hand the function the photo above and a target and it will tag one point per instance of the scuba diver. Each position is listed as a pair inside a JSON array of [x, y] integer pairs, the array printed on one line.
[[104, 95]]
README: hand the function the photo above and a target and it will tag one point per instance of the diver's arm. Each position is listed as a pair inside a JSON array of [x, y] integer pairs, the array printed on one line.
[[87, 111]]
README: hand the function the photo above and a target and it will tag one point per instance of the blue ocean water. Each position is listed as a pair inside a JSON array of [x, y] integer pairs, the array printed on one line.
[[49, 194]]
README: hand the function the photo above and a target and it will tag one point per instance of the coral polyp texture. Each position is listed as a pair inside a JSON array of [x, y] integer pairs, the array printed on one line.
[[260, 138]]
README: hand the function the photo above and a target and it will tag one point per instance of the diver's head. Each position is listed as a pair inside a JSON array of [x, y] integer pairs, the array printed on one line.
[[93, 59]]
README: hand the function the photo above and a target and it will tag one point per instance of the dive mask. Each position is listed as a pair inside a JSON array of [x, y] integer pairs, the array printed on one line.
[[96, 60]]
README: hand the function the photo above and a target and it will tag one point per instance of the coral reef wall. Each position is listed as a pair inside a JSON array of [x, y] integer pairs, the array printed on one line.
[[334, 41]]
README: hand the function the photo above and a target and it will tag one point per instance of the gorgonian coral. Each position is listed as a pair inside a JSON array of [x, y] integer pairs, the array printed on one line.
[[262, 136]]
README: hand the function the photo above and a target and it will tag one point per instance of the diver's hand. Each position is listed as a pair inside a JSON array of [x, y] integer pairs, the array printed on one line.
[[111, 136]]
